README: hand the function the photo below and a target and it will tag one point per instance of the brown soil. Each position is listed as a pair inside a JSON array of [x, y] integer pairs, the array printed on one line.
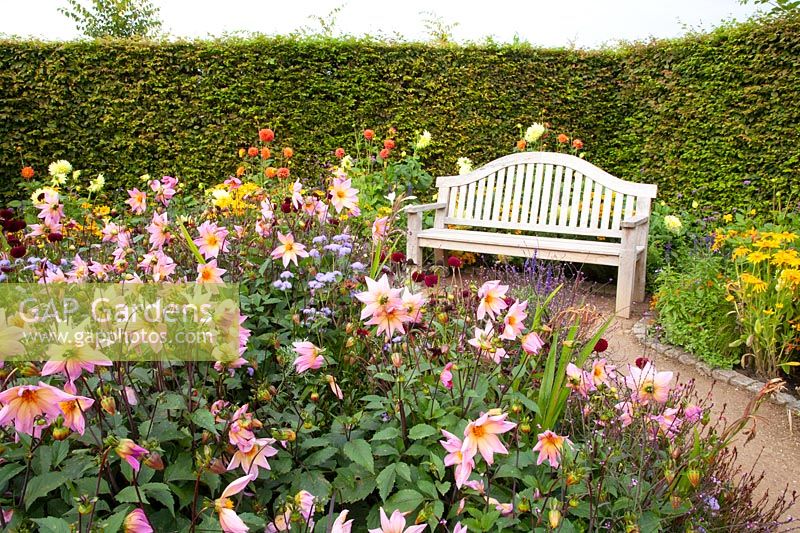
[[775, 448]]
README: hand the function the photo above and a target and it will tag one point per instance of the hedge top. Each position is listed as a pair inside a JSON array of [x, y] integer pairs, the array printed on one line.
[[712, 116]]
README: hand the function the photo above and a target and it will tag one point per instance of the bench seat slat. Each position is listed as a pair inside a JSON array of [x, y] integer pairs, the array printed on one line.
[[593, 252], [544, 228]]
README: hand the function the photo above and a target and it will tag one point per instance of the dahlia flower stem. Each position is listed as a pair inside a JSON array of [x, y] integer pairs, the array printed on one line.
[[97, 487], [403, 424], [8, 378], [194, 499], [330, 512]]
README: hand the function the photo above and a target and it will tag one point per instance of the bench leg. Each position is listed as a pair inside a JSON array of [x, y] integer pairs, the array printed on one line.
[[641, 278], [438, 256], [626, 278], [413, 250]]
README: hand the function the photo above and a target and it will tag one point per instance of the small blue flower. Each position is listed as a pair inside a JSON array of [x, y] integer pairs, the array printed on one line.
[[282, 285], [712, 503]]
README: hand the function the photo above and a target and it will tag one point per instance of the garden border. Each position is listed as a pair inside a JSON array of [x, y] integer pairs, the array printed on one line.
[[731, 377]]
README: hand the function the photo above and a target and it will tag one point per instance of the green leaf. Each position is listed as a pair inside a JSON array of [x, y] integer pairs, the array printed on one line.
[[405, 500], [314, 482], [360, 452], [180, 470], [404, 471], [190, 242], [161, 493], [388, 433], [8, 472], [42, 485], [60, 451], [204, 419], [320, 456], [114, 522], [649, 522], [254, 521], [128, 495], [427, 488], [420, 431], [385, 481], [52, 524]]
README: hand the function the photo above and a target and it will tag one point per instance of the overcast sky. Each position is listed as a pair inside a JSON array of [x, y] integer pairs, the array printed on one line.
[[582, 23]]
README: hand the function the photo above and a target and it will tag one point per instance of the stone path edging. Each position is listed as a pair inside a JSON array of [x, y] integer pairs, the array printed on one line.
[[731, 377]]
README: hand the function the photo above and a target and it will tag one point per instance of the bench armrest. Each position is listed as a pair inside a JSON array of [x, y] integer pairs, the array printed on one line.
[[421, 208], [635, 221]]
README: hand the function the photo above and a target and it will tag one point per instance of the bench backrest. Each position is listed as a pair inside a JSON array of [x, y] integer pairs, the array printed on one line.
[[542, 192]]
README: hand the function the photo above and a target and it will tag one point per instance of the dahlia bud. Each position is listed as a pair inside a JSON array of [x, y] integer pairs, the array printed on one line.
[[154, 461], [29, 370], [397, 360], [554, 517], [314, 397], [264, 395], [60, 433], [108, 404], [694, 477], [217, 466], [675, 501], [573, 502], [86, 505]]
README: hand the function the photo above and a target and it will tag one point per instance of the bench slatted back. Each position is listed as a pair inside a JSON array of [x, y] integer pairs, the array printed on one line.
[[542, 192]]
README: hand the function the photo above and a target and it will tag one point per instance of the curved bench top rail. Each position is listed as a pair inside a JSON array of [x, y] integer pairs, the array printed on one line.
[[552, 158]]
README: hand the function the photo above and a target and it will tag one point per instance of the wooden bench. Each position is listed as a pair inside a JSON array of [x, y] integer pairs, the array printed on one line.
[[592, 216]]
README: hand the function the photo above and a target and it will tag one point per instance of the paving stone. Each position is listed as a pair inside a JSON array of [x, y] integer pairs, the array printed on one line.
[[723, 375], [783, 398], [794, 405], [704, 368], [755, 387], [686, 358], [741, 381]]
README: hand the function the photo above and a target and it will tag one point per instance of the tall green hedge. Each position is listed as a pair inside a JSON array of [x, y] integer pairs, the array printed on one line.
[[698, 116]]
